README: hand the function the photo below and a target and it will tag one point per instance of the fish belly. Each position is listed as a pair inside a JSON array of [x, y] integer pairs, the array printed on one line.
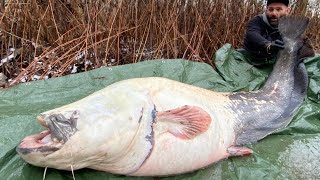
[[172, 155], [175, 156]]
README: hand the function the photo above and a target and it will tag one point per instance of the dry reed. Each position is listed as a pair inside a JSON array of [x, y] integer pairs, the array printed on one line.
[[58, 37]]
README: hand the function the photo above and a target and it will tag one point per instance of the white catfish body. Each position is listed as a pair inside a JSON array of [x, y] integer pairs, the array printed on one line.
[[156, 126], [147, 126]]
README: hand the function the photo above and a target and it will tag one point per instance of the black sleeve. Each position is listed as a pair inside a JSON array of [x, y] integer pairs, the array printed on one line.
[[255, 27]]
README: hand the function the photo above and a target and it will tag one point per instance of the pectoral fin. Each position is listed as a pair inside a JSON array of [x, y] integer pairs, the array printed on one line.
[[185, 122]]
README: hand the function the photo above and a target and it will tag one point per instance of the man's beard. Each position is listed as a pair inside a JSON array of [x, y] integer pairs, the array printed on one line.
[[273, 21]]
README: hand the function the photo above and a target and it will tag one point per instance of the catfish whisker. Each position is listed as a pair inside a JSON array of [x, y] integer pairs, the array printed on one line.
[[72, 172], [44, 173]]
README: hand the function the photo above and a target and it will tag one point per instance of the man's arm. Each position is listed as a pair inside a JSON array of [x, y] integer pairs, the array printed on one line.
[[253, 33]]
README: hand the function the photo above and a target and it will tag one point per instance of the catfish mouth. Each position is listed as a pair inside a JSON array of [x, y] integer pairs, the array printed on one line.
[[59, 131]]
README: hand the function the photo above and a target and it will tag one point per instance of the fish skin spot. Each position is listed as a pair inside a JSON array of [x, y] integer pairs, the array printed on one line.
[[154, 114], [141, 115]]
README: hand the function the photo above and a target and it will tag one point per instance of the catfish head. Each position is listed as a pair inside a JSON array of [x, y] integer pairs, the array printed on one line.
[[52, 146], [80, 136], [60, 128]]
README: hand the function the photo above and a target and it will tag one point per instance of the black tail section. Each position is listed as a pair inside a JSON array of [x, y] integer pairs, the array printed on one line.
[[273, 107], [293, 27]]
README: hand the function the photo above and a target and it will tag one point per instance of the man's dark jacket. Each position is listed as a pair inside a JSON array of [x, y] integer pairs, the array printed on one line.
[[259, 32]]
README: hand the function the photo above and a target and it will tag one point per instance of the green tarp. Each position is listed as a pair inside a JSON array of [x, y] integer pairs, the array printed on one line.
[[291, 153]]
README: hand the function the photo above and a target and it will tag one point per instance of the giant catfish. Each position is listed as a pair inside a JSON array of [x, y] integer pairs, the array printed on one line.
[[157, 127]]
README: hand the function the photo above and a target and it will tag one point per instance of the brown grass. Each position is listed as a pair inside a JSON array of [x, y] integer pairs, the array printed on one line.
[[52, 36]]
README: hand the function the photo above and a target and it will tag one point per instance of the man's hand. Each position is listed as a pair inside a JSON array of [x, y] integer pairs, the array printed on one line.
[[274, 46]]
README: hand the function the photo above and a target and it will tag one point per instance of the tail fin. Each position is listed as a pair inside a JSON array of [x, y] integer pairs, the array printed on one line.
[[292, 26]]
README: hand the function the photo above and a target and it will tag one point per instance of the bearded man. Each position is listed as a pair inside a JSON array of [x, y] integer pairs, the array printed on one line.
[[262, 39]]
